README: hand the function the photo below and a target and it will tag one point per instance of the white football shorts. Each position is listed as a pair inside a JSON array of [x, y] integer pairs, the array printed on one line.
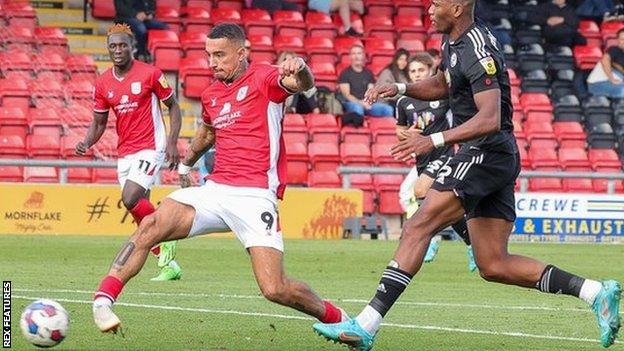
[[141, 167], [251, 213]]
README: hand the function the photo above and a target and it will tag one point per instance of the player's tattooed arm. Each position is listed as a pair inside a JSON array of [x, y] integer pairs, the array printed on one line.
[[296, 75], [202, 141], [96, 129], [123, 255]]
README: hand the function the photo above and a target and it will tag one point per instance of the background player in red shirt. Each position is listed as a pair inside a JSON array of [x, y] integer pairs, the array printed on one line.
[[242, 112], [134, 90]]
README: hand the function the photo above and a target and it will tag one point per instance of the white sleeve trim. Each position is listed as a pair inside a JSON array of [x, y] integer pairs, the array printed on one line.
[[101, 111]]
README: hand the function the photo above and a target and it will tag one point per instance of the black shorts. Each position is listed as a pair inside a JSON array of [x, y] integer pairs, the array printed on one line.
[[483, 180], [431, 168]]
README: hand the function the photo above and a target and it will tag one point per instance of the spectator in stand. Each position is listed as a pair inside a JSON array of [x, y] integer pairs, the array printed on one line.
[[274, 5], [395, 72], [353, 83], [559, 24], [493, 20], [304, 102], [139, 15], [344, 8], [595, 9], [607, 78]]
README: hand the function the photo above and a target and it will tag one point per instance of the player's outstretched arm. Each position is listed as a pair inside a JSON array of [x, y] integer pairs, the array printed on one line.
[[96, 129], [486, 121], [296, 75], [175, 122], [202, 141], [432, 88]]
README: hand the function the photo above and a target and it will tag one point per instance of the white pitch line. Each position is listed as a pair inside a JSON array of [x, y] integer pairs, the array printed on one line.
[[408, 303], [284, 316]]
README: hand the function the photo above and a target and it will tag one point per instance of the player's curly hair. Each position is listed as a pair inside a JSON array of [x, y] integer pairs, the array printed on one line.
[[118, 28]]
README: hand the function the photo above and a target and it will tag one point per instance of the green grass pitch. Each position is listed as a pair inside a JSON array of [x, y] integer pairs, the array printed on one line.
[[217, 305]]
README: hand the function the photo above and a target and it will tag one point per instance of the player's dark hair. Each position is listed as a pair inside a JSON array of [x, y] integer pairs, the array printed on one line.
[[230, 31], [422, 57], [394, 66]]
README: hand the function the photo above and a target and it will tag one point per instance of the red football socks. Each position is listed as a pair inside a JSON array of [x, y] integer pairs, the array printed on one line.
[[110, 288], [142, 208], [332, 313]]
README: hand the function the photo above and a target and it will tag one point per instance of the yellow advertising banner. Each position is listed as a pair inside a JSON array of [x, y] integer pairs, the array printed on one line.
[[98, 210]]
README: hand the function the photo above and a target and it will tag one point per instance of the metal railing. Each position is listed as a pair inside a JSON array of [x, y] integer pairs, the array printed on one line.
[[524, 176], [62, 164]]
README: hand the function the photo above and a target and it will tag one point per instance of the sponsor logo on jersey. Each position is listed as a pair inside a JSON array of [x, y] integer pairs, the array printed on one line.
[[163, 81], [213, 102], [453, 60], [489, 65], [242, 93], [434, 104], [110, 94], [226, 109], [135, 87], [124, 99], [410, 107]]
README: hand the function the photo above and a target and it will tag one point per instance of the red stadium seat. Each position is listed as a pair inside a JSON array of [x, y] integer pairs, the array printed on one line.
[[195, 76], [411, 45], [587, 56], [540, 158], [257, 22], [104, 9], [81, 67], [45, 122], [578, 185], [538, 116], [298, 162], [40, 175], [324, 74], [197, 18], [356, 22], [574, 159], [105, 176], [343, 45], [376, 47], [379, 25], [13, 122], [323, 127], [604, 158], [355, 154], [323, 47], [540, 131], [166, 48], [609, 29], [174, 4], [68, 147], [288, 43], [570, 134], [225, 15], [545, 185], [43, 146], [289, 23], [382, 158], [349, 134], [12, 146], [601, 185], [410, 7], [230, 4], [14, 93], [589, 29], [379, 7], [387, 186], [171, 16], [364, 182], [81, 89], [79, 175], [324, 156], [261, 43], [323, 179], [434, 42], [320, 25], [11, 174], [535, 102], [202, 4]]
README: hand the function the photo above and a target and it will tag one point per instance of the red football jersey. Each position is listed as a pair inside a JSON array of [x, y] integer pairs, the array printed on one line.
[[247, 116], [135, 102]]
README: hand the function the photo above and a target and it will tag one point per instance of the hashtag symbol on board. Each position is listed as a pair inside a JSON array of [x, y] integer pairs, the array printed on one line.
[[97, 209]]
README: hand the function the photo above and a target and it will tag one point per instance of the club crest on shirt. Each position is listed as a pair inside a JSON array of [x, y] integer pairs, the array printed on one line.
[[135, 87], [434, 104], [489, 65], [453, 59], [242, 93]]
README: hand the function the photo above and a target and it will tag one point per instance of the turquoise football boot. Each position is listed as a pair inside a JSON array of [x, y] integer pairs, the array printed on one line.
[[472, 265], [607, 310], [347, 333], [432, 251]]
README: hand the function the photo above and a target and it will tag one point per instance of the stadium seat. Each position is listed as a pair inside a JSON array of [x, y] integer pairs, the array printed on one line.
[[289, 23], [261, 42], [349, 134], [43, 146], [434, 42], [165, 46], [201, 4], [323, 127], [539, 116], [540, 158], [197, 18], [40, 175], [47, 93], [320, 25], [578, 185], [324, 156], [45, 122], [230, 4], [105, 176], [343, 45], [535, 102], [324, 74], [379, 7], [171, 16], [574, 159], [410, 26], [540, 132], [68, 147], [81, 67], [11, 174], [377, 48], [387, 186], [104, 9], [288, 43], [355, 154], [80, 90], [356, 22], [13, 122], [12, 146], [79, 175], [586, 56], [379, 25], [609, 29], [320, 49], [411, 45], [225, 15], [545, 185], [195, 76], [382, 126], [604, 158], [570, 134], [590, 30], [323, 179], [601, 185], [14, 93], [382, 158], [193, 44], [257, 22], [364, 182], [298, 163]]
